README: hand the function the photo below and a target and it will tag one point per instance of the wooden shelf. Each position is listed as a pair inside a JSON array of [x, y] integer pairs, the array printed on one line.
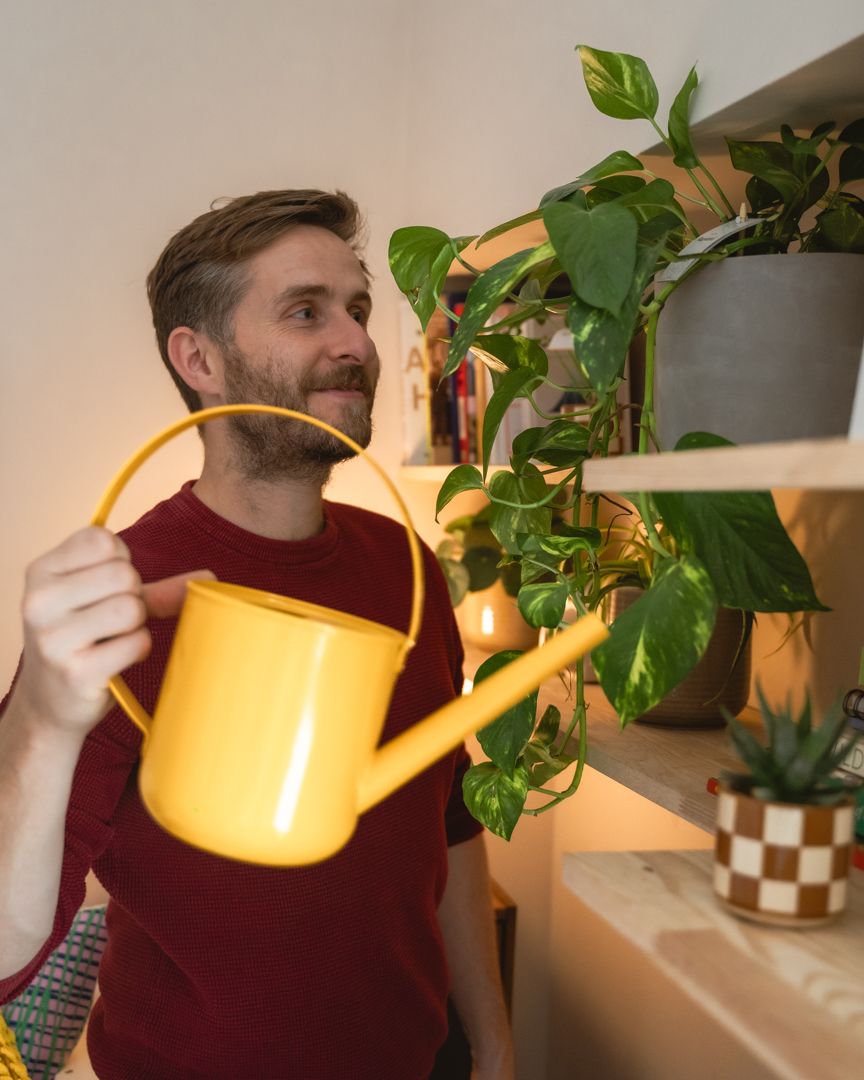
[[816, 464], [827, 464], [795, 998], [668, 766]]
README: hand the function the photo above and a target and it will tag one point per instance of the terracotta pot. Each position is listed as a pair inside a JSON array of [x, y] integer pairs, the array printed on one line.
[[741, 349], [490, 619], [782, 863], [714, 684]]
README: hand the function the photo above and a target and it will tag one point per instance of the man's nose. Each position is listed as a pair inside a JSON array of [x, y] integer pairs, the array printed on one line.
[[352, 341]]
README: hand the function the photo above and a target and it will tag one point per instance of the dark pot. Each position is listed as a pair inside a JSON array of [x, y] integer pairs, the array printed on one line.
[[761, 349], [714, 684]]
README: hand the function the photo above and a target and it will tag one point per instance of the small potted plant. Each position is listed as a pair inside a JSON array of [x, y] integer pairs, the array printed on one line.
[[483, 584], [785, 827]]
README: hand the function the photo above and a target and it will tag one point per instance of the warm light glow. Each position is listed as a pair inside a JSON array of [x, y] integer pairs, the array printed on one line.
[[467, 686], [487, 620]]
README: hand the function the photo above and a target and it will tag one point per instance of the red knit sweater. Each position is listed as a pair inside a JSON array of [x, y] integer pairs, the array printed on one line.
[[218, 969]]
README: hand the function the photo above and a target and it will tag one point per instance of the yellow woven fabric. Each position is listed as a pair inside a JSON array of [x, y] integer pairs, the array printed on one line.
[[11, 1065]]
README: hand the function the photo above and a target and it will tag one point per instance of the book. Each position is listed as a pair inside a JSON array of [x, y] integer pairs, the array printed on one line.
[[416, 418]]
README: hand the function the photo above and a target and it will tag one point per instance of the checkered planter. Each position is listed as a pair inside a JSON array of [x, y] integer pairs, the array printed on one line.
[[780, 862]]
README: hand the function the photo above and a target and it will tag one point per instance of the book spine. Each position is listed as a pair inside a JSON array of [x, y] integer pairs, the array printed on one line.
[[416, 428]]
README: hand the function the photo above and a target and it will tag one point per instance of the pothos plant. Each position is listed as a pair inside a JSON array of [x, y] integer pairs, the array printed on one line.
[[615, 233]]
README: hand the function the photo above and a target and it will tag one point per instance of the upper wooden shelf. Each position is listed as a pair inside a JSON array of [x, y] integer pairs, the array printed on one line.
[[830, 464], [668, 766], [795, 998]]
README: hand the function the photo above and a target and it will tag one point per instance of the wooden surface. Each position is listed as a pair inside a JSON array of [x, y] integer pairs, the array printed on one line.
[[669, 766], [794, 997], [826, 464], [829, 464]]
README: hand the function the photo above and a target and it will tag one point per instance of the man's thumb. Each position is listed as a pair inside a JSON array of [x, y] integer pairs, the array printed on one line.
[[165, 598]]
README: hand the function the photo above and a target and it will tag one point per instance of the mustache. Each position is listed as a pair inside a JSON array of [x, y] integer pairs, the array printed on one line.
[[346, 378]]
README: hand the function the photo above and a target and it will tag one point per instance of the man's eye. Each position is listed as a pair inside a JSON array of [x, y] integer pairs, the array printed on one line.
[[302, 313], [360, 316]]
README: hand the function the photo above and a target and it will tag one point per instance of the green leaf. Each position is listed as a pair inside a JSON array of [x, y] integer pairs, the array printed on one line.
[[511, 351], [549, 726], [620, 85], [507, 226], [543, 604], [543, 772], [563, 443], [796, 145], [457, 579], [679, 124], [420, 259], [504, 739], [741, 540], [494, 798], [462, 478], [852, 164], [616, 162], [656, 642], [561, 546], [853, 133], [509, 388], [653, 199], [482, 566], [749, 749], [770, 161], [505, 521], [843, 227], [612, 189], [597, 249], [486, 293], [761, 195], [600, 339]]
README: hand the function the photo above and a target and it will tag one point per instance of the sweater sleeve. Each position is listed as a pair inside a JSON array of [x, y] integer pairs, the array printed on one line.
[[101, 774]]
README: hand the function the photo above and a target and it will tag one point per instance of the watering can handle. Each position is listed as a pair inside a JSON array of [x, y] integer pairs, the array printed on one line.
[[118, 687]]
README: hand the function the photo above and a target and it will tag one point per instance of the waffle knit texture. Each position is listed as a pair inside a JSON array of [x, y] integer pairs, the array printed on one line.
[[216, 968]]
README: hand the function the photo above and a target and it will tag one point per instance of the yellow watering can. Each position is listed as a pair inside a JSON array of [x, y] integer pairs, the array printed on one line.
[[239, 759]]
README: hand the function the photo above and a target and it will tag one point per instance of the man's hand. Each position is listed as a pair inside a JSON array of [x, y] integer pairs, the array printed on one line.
[[84, 611]]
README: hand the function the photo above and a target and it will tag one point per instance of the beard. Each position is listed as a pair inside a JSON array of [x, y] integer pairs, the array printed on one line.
[[268, 448]]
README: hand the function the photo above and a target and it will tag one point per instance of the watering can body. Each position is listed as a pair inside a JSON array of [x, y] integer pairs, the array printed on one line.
[[263, 745]]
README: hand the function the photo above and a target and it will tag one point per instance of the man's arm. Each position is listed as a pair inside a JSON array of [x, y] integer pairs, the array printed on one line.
[[84, 612], [468, 927]]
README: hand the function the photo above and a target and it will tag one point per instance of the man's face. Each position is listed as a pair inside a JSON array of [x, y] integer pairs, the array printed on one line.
[[300, 342]]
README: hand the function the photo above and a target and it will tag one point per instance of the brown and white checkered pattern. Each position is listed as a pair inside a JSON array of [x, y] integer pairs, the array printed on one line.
[[781, 859]]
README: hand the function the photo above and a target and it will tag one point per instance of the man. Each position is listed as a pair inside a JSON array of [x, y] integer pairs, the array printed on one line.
[[215, 968]]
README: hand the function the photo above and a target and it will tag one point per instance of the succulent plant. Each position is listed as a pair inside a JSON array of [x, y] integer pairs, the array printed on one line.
[[798, 762]]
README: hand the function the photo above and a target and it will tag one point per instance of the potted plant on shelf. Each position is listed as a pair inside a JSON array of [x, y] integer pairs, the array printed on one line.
[[785, 827], [618, 237], [481, 587]]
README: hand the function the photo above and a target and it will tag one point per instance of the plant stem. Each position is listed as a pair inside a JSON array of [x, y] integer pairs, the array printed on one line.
[[700, 187], [717, 188]]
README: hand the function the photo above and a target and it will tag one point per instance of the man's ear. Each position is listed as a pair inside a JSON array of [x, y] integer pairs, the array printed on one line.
[[196, 360]]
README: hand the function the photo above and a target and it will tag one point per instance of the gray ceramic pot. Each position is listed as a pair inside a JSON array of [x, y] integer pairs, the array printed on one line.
[[761, 349], [714, 684]]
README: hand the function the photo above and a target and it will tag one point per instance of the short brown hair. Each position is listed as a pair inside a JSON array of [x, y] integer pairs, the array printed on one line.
[[200, 277]]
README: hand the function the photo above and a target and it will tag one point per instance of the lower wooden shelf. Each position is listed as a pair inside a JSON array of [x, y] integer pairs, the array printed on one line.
[[795, 998]]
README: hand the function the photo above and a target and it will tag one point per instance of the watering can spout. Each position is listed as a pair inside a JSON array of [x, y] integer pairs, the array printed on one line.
[[404, 757]]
